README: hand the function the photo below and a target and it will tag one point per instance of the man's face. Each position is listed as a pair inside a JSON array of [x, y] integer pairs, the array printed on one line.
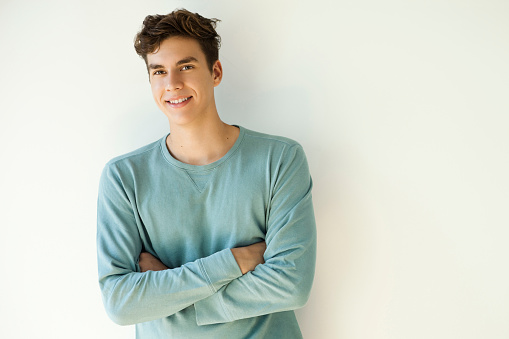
[[181, 81]]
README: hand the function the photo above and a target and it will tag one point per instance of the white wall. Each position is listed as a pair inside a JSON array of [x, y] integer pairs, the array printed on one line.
[[401, 106]]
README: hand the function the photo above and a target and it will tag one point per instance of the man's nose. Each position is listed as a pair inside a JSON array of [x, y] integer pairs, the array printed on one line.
[[174, 81]]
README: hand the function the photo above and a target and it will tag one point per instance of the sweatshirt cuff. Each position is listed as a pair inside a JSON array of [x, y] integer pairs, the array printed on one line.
[[220, 268], [212, 310]]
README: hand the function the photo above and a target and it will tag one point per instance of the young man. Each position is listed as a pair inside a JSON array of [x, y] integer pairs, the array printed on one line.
[[208, 232]]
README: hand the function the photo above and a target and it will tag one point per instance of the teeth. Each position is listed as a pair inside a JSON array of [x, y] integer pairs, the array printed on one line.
[[178, 101]]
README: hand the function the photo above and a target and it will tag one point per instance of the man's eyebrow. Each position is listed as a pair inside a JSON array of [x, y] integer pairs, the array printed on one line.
[[178, 63], [186, 60], [154, 66]]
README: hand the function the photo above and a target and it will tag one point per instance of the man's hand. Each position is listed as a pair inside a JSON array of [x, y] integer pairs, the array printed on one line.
[[250, 256], [247, 258], [150, 263]]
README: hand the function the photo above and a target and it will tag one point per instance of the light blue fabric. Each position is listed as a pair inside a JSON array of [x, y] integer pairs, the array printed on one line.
[[189, 217]]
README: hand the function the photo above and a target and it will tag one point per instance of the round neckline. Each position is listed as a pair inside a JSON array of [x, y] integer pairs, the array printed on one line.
[[201, 168]]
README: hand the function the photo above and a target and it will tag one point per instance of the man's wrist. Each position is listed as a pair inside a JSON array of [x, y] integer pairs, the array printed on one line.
[[237, 254]]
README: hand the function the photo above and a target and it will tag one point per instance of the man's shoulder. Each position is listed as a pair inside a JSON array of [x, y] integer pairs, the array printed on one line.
[[265, 139], [269, 148], [139, 155]]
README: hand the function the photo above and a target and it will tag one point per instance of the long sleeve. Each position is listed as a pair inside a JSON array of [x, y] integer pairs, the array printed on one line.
[[133, 297], [284, 281]]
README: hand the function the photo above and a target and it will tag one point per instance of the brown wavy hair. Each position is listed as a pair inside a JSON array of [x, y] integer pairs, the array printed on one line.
[[182, 23]]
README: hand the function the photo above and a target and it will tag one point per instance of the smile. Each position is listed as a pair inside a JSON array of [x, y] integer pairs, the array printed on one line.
[[178, 101]]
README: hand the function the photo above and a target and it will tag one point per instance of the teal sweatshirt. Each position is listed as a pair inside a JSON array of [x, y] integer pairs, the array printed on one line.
[[190, 217]]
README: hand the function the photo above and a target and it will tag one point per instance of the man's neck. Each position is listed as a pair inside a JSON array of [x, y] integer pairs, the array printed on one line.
[[201, 143]]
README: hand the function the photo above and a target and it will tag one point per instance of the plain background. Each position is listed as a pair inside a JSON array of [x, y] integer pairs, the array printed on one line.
[[401, 106]]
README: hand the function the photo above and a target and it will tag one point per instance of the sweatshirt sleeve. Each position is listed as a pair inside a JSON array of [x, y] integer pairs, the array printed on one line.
[[130, 296], [284, 281]]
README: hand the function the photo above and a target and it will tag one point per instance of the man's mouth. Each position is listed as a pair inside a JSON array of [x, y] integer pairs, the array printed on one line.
[[178, 101]]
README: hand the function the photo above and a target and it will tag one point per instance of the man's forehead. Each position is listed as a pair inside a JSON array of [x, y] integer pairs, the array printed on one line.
[[176, 50]]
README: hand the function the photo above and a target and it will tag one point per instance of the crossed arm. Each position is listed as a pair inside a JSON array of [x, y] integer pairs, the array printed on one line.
[[247, 258], [223, 286]]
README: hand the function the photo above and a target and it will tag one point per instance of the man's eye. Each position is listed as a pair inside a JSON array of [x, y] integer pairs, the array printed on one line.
[[158, 72], [188, 67]]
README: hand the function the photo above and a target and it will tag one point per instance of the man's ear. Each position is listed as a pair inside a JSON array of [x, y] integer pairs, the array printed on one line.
[[217, 72]]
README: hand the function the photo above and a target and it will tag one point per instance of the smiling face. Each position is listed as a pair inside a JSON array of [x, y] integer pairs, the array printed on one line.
[[181, 81]]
